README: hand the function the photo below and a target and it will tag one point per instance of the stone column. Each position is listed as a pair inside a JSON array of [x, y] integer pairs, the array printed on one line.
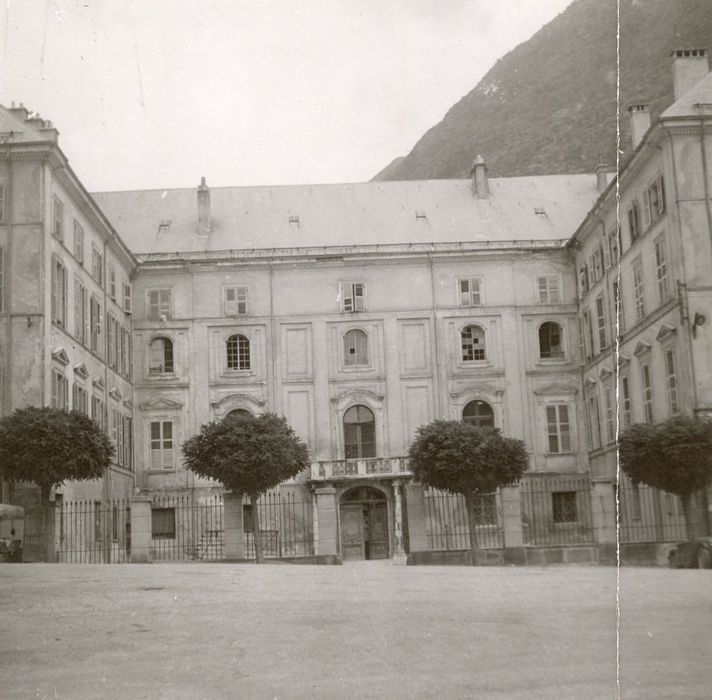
[[603, 510], [512, 517], [141, 529], [326, 512], [398, 551], [415, 501], [234, 539]]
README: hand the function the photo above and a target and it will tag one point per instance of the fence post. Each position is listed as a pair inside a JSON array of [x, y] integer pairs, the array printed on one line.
[[603, 511], [512, 518], [234, 540], [326, 510], [415, 509], [141, 533]]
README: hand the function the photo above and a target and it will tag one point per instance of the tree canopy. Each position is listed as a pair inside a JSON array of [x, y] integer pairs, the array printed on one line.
[[247, 454], [675, 456], [48, 446], [465, 458]]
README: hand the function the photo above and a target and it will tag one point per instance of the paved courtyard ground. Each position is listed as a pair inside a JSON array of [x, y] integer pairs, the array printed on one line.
[[364, 630]]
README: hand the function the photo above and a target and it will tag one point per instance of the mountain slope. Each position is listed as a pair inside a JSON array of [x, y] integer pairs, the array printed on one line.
[[549, 105]]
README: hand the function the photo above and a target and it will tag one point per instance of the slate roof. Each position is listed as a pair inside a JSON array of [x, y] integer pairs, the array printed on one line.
[[686, 106], [430, 211]]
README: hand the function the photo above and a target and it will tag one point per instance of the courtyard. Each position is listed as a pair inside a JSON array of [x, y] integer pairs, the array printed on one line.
[[361, 630]]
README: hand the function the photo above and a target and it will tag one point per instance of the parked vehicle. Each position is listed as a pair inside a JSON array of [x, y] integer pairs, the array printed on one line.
[[12, 529]]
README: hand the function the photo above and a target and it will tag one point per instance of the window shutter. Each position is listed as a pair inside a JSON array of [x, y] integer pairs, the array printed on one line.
[[231, 301], [127, 297], [646, 208]]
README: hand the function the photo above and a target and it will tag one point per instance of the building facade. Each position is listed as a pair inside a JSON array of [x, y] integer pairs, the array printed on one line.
[[361, 312]]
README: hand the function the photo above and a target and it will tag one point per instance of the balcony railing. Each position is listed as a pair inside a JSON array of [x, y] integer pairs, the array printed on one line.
[[360, 468]]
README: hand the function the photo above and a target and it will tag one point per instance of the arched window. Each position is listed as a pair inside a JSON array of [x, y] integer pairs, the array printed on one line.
[[355, 348], [473, 343], [238, 352], [160, 356], [550, 340], [478, 413], [237, 413], [359, 433]]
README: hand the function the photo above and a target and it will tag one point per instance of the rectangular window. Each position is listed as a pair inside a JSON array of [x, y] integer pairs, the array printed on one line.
[[78, 241], [125, 350], [128, 442], [60, 391], [601, 322], [127, 297], [58, 219], [353, 296], [594, 421], [671, 382], [469, 292], [548, 288], [558, 428], [59, 293], [583, 280], [587, 335], [97, 265], [163, 523], [610, 415], [654, 201], [235, 301], [563, 504], [80, 311], [111, 329], [661, 269], [159, 304], [80, 399], [634, 222], [161, 445], [638, 290], [97, 411], [625, 396], [95, 323], [647, 394], [598, 263], [112, 282], [613, 246]]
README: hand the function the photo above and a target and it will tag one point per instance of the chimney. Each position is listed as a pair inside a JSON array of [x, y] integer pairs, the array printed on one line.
[[639, 122], [203, 208], [20, 112], [602, 172], [689, 66], [49, 132], [35, 121], [479, 178]]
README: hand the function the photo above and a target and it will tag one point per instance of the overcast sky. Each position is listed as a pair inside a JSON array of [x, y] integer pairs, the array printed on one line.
[[156, 93]]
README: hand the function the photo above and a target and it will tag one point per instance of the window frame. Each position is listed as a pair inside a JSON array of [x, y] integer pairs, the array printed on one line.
[[167, 364], [471, 298], [638, 288], [78, 248], [163, 533], [163, 307], [601, 323], [238, 291], [544, 295], [97, 265], [351, 301], [558, 429], [671, 382], [661, 268], [238, 354], [60, 292], [551, 355], [634, 227], [647, 391], [162, 456], [475, 350], [58, 218], [359, 442], [360, 361], [60, 390]]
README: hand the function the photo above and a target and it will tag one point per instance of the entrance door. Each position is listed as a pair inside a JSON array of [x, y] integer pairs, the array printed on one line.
[[352, 532], [378, 531]]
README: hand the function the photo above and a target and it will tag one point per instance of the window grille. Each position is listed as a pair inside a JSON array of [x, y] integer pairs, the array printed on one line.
[[473, 343], [564, 507], [238, 352]]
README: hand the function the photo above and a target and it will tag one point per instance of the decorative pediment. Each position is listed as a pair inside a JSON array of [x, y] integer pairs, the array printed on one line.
[[623, 359], [160, 403], [115, 393], [556, 388], [604, 374], [641, 348], [237, 398], [477, 391], [665, 331], [60, 356], [81, 370], [361, 395], [98, 383]]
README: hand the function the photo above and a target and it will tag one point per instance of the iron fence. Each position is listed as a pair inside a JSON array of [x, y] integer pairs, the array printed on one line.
[[649, 515], [447, 526], [286, 526], [556, 509], [187, 527], [93, 532]]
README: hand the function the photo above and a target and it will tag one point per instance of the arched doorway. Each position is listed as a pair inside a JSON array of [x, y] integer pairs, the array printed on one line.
[[364, 524]]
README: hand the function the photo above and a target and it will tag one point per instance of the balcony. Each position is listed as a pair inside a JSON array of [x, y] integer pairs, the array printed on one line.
[[376, 467]]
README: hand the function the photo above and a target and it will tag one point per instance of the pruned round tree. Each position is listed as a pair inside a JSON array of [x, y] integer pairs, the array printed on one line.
[[248, 455], [48, 446], [674, 456], [466, 459]]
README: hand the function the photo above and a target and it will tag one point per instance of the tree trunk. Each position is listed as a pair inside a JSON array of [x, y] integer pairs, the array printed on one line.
[[695, 519], [256, 528], [470, 500]]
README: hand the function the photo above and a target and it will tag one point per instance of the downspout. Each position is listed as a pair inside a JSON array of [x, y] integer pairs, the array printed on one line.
[[273, 343], [683, 287], [436, 373]]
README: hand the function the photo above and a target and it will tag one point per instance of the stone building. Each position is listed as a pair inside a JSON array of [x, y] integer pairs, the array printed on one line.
[[362, 311]]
